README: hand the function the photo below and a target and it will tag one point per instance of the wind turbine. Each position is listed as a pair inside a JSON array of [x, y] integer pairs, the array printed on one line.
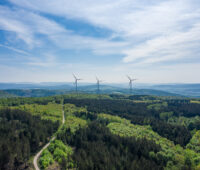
[[76, 82], [131, 83], [98, 84]]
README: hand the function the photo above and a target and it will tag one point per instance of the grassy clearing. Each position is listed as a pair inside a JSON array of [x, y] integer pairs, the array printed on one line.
[[74, 123], [51, 111], [110, 118]]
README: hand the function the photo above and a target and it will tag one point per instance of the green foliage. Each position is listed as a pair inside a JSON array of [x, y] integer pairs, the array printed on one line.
[[72, 110], [184, 121], [51, 111], [86, 96], [97, 148], [157, 106], [59, 152], [22, 134], [110, 118], [138, 132], [139, 113], [166, 115], [16, 101], [74, 123], [57, 144], [142, 132], [172, 155], [46, 159], [194, 143]]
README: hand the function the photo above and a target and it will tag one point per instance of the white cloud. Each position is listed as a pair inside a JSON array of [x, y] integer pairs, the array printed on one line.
[[151, 32], [124, 16], [47, 60], [157, 26], [9, 23], [27, 24], [15, 49], [171, 47]]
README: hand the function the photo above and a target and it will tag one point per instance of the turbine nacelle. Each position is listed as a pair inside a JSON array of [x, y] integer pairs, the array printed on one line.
[[130, 79], [98, 84], [76, 78], [130, 82], [76, 81], [98, 80]]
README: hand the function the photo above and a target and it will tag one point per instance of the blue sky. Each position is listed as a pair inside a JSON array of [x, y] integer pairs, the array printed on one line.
[[46, 41]]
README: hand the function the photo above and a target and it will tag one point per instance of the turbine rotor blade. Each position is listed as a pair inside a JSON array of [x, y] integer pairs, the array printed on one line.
[[134, 79], [129, 77], [74, 76]]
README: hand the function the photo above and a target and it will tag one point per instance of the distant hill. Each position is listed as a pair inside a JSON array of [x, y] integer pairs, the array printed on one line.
[[4, 94], [34, 92], [111, 89], [83, 89], [53, 88], [192, 90]]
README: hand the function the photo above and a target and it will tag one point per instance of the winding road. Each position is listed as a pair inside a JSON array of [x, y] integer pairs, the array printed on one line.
[[53, 138]]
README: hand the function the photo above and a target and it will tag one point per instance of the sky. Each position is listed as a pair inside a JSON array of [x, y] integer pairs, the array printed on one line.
[[48, 40]]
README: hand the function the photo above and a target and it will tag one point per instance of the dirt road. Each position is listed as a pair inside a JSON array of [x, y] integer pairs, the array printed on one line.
[[39, 153]]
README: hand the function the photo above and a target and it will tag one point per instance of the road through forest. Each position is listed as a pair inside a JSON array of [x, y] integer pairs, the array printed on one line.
[[35, 160]]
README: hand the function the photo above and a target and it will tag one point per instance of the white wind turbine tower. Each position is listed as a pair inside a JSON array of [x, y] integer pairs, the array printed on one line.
[[98, 85], [76, 82], [131, 83]]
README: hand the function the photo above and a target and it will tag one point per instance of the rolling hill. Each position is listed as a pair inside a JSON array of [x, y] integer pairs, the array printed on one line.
[[53, 88], [83, 89]]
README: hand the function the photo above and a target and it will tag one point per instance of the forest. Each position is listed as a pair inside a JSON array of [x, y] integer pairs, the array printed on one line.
[[100, 132], [21, 135]]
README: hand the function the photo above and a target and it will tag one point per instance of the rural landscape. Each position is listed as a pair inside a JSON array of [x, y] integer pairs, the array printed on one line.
[[100, 131], [99, 85]]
